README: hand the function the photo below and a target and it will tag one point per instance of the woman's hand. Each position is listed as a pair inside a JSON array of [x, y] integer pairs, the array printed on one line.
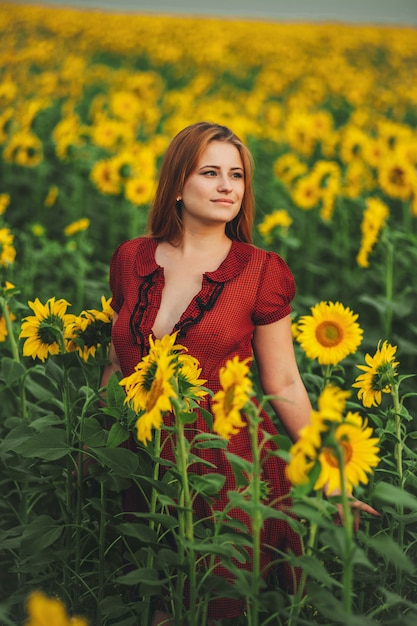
[[356, 505]]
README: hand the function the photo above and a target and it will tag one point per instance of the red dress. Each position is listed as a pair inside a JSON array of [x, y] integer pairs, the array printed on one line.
[[249, 288]]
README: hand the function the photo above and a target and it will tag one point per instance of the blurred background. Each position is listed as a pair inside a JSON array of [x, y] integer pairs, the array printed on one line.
[[324, 93], [370, 11]]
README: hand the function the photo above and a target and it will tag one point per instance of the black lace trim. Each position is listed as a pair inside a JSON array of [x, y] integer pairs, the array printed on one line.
[[139, 311], [203, 306]]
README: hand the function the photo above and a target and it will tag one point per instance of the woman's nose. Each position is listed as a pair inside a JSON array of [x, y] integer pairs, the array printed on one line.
[[224, 183]]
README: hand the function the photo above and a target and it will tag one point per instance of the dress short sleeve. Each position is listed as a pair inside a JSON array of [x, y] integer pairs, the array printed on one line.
[[275, 292]]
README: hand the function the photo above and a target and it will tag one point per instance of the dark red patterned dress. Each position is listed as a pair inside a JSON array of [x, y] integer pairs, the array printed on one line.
[[251, 287]]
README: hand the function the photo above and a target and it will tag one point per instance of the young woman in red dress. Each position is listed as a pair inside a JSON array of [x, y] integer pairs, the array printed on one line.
[[197, 272]]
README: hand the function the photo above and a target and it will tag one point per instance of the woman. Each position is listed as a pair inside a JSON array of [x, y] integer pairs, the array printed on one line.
[[197, 273]]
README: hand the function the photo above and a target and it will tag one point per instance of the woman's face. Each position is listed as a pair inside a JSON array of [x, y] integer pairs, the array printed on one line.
[[214, 191]]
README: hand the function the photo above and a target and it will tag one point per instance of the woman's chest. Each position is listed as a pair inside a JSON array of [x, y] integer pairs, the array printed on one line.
[[178, 294]]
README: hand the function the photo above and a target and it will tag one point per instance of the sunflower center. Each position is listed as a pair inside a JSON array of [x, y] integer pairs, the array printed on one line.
[[398, 176], [331, 458], [329, 334]]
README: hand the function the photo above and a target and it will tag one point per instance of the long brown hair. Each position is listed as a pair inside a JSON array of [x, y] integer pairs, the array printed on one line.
[[180, 160]]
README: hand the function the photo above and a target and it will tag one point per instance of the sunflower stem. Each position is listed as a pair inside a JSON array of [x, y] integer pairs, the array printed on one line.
[[300, 596], [187, 517], [101, 550], [399, 442], [15, 351], [327, 371], [348, 526], [253, 601], [389, 286], [398, 454], [69, 466], [152, 510]]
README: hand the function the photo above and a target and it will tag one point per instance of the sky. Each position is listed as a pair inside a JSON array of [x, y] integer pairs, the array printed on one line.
[[398, 12]]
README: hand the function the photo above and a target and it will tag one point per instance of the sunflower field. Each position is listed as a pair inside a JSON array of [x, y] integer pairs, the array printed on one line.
[[88, 104]]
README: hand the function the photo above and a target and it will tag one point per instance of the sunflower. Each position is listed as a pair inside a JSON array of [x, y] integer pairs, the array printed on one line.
[[87, 332], [81, 336], [379, 375], [322, 122], [77, 227], [304, 452], [3, 326], [324, 172], [294, 328], [300, 132], [111, 134], [330, 334], [26, 115], [126, 106], [306, 192], [141, 158], [189, 381], [231, 399], [4, 202], [106, 178], [5, 117], [25, 149], [153, 385], [45, 330], [288, 167], [37, 230], [66, 134], [166, 344], [139, 190], [332, 402], [7, 250], [45, 611], [303, 460], [359, 451], [150, 391], [374, 219], [397, 176], [107, 312], [277, 222], [353, 142], [357, 179], [51, 196], [375, 151]]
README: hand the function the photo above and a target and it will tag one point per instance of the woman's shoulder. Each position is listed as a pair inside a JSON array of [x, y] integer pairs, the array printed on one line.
[[138, 244], [273, 265], [260, 254], [139, 252]]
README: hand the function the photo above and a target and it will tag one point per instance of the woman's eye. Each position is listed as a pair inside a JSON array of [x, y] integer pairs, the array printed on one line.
[[214, 173]]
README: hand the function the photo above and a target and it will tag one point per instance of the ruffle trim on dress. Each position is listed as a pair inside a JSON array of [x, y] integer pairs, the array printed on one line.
[[139, 311], [233, 265], [203, 302], [212, 287]]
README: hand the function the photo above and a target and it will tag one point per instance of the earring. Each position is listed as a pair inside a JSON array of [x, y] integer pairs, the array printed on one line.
[[179, 198]]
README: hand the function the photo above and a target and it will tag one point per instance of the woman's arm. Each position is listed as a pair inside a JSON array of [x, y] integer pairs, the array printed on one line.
[[279, 375]]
